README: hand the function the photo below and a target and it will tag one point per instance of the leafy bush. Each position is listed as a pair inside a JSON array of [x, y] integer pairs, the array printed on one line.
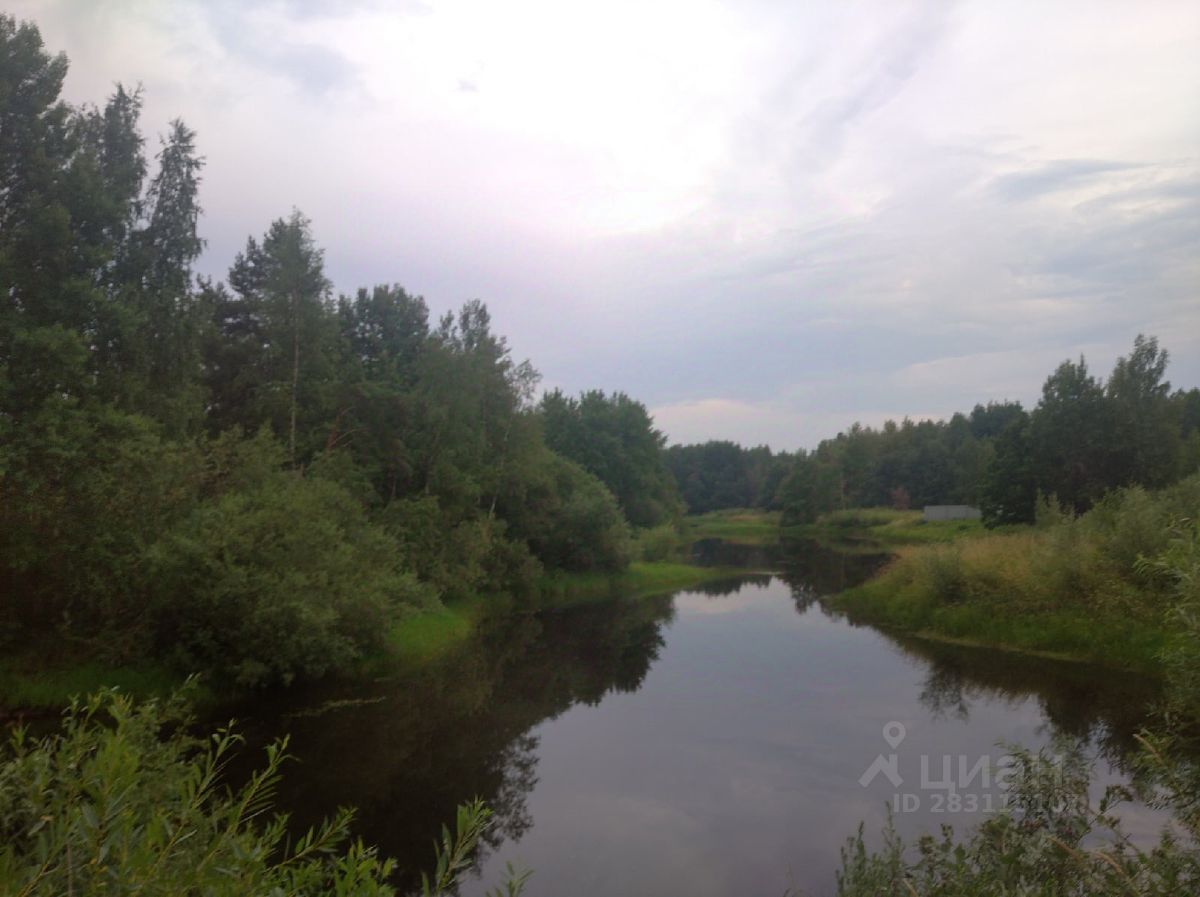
[[450, 555], [84, 490], [280, 580], [1049, 840], [659, 543], [108, 807], [569, 519], [111, 806]]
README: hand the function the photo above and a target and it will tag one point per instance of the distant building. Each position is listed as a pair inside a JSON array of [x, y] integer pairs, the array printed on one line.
[[951, 512]]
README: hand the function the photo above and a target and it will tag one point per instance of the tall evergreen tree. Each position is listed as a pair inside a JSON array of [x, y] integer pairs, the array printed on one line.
[[281, 307], [1145, 439]]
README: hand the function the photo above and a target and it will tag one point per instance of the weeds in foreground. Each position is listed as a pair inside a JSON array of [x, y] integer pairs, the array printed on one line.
[[1049, 840], [112, 805]]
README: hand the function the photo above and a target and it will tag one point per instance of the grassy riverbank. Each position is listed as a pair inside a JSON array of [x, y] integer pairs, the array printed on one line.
[[742, 525], [422, 637], [885, 526], [1085, 588], [30, 683], [44, 678]]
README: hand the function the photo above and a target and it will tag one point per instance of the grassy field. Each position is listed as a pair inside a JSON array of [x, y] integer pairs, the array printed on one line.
[[421, 637]]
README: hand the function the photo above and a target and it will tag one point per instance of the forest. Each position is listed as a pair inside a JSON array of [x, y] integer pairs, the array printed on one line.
[[1085, 437], [260, 480], [252, 477]]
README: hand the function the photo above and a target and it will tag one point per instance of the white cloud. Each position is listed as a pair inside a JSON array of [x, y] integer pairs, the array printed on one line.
[[750, 201]]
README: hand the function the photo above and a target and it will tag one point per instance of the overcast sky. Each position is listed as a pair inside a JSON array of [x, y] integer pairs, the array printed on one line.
[[766, 220]]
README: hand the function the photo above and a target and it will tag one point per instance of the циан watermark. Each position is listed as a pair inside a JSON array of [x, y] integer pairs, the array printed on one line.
[[948, 783]]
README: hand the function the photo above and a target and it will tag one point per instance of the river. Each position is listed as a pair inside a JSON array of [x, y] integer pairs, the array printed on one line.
[[725, 740]]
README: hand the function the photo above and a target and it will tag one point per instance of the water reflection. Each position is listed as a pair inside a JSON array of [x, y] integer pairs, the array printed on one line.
[[709, 743], [406, 751], [1080, 700]]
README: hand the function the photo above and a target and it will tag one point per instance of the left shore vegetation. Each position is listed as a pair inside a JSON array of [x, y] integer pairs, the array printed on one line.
[[255, 479]]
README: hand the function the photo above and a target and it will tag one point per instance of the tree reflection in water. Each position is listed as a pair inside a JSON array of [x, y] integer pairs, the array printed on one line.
[[406, 751]]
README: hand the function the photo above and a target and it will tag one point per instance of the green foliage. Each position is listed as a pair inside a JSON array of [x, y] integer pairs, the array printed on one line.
[[109, 806], [140, 524], [720, 475], [281, 580], [744, 525], [613, 438], [1008, 491], [568, 518], [1177, 565], [659, 543], [273, 350], [1078, 586], [815, 485], [1084, 438], [1050, 839], [454, 852], [123, 800], [86, 489]]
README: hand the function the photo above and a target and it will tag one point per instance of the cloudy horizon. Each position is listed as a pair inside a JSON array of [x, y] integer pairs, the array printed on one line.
[[764, 220]]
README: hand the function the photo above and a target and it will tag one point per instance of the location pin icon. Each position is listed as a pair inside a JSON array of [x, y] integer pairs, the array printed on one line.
[[893, 733]]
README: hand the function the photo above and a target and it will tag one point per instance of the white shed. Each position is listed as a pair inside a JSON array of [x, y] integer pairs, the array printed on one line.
[[951, 512]]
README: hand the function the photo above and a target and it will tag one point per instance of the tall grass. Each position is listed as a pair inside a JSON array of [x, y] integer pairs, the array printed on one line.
[[1071, 586], [887, 526], [29, 688], [744, 525]]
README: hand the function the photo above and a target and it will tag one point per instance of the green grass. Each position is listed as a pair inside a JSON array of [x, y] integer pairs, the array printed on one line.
[[1072, 590], [28, 684], [641, 579], [885, 526], [742, 525], [27, 687], [423, 636], [1073, 634]]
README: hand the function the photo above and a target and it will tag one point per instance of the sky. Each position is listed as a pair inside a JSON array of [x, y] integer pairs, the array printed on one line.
[[765, 220]]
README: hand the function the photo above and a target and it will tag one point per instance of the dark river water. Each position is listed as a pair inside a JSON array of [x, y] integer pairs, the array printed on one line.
[[719, 741]]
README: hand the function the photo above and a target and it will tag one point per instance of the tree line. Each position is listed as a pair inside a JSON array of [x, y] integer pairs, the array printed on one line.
[[255, 476], [1085, 437]]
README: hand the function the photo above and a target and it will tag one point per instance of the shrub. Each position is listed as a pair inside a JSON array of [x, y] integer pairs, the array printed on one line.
[[568, 518], [108, 807], [943, 569], [111, 806], [281, 580], [449, 555], [660, 543], [1048, 840]]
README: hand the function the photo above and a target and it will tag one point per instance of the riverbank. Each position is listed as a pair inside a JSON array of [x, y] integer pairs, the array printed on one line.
[[423, 637], [882, 526], [44, 679], [744, 526], [1098, 587]]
